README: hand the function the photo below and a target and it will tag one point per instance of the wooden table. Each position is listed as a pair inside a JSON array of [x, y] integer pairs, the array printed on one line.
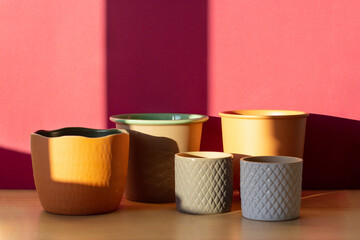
[[324, 215]]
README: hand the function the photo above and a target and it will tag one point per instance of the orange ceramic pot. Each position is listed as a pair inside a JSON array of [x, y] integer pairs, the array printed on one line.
[[262, 133], [80, 171], [155, 138]]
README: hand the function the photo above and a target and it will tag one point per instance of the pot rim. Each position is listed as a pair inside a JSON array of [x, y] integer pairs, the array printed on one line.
[[196, 155], [263, 113], [272, 160], [79, 132], [158, 118]]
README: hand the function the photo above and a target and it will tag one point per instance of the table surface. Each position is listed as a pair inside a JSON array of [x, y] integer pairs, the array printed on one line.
[[323, 215]]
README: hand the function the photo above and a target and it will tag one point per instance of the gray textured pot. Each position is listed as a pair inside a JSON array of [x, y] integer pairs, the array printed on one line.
[[203, 182], [270, 187]]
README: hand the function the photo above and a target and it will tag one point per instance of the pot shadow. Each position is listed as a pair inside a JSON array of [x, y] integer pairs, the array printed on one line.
[[331, 155], [211, 140], [15, 170], [211, 137], [330, 151], [236, 165], [287, 137], [151, 174]]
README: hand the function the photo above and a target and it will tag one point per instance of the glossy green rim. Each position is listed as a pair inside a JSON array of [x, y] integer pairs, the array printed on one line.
[[158, 118]]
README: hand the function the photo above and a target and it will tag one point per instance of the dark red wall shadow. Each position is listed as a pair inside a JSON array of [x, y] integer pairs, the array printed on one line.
[[15, 170], [156, 56], [211, 139], [331, 151], [331, 155]]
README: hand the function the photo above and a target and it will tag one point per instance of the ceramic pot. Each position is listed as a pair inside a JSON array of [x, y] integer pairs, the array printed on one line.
[[271, 187], [80, 171], [154, 140], [203, 182], [262, 132]]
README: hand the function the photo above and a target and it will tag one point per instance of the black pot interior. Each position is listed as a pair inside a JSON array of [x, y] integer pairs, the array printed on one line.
[[77, 131]]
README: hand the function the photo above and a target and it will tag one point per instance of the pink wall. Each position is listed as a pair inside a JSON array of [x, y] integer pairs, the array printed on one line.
[[74, 63], [301, 55], [52, 75]]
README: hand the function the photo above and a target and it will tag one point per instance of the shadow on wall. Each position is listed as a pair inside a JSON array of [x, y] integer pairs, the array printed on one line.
[[331, 155], [211, 137], [331, 158], [156, 56], [15, 170]]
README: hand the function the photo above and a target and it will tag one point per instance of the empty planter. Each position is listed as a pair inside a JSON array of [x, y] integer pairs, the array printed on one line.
[[155, 138], [80, 171], [262, 132]]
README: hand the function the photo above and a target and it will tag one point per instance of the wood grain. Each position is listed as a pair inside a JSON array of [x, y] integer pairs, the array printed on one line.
[[323, 215]]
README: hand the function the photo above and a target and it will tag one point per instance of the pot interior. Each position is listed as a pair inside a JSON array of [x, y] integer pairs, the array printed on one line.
[[77, 131], [272, 159], [263, 113], [204, 155]]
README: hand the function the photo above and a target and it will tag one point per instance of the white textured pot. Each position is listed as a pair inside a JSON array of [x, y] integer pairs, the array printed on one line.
[[271, 187], [203, 182]]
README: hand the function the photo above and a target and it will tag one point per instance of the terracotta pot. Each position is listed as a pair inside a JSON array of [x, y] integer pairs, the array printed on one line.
[[262, 132], [155, 138], [80, 171]]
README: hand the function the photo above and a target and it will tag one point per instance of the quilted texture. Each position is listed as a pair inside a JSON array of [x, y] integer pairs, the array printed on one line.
[[270, 191], [203, 186]]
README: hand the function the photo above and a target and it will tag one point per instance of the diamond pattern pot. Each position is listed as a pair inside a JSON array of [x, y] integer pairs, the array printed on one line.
[[203, 182], [271, 187]]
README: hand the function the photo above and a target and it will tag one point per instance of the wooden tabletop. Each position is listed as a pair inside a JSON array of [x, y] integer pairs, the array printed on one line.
[[323, 215]]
